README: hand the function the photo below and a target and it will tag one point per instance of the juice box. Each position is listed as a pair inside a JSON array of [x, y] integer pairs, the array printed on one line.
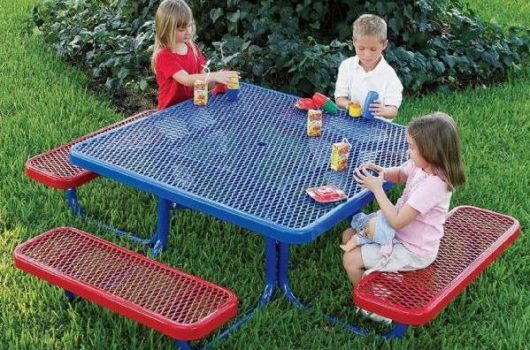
[[339, 155], [314, 122], [200, 93]]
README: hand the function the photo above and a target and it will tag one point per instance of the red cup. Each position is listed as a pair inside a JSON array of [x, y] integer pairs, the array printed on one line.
[[219, 89], [319, 99]]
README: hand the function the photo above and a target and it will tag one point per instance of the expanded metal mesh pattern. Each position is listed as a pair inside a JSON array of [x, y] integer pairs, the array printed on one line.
[[469, 233], [55, 164], [172, 294], [252, 155]]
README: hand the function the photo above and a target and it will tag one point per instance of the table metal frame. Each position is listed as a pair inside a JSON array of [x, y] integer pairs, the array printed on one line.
[[278, 236]]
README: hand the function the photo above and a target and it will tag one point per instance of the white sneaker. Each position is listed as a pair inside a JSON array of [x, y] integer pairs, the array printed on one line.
[[375, 317]]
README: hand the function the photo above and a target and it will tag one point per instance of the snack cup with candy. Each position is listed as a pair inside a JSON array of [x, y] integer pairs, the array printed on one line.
[[324, 102]]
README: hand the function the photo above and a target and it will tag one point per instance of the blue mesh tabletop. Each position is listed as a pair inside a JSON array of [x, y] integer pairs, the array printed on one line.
[[247, 162]]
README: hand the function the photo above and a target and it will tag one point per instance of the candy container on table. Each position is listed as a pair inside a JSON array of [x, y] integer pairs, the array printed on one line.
[[370, 98], [233, 89], [324, 102], [354, 109], [326, 194], [218, 89]]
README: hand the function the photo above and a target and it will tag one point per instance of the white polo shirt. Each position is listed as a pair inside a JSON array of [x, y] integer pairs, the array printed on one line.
[[354, 83]]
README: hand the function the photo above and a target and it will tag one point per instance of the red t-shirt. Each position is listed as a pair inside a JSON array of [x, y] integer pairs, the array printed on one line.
[[167, 63]]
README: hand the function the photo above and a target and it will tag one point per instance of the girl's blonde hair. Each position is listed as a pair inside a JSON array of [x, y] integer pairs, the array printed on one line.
[[436, 137], [170, 16]]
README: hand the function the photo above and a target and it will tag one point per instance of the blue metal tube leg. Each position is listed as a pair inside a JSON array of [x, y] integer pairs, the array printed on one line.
[[283, 284], [183, 345], [271, 281], [70, 296], [397, 331], [71, 197], [283, 275], [160, 238]]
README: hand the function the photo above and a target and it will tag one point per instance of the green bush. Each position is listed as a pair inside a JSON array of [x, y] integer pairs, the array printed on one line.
[[292, 45]]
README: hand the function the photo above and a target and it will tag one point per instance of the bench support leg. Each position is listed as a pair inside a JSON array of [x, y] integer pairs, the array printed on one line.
[[183, 345], [70, 296], [398, 331], [159, 239], [71, 197]]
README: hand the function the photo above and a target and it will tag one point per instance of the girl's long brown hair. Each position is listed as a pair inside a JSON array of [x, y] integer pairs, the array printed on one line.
[[436, 137]]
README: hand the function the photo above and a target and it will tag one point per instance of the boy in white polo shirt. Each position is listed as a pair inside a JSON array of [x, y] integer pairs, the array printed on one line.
[[369, 71]]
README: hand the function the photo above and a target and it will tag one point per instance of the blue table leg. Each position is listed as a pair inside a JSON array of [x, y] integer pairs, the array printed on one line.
[[284, 285], [283, 275], [271, 282], [160, 238]]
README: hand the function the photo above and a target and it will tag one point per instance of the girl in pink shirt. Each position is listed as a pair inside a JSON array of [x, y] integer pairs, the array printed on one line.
[[177, 61], [416, 221]]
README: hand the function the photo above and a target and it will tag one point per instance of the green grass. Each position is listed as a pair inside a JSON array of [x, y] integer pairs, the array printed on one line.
[[504, 12], [44, 102]]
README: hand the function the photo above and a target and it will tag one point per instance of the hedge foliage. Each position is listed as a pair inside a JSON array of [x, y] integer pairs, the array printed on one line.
[[292, 45]]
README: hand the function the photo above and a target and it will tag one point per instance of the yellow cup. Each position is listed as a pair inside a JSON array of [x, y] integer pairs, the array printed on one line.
[[354, 109], [233, 83]]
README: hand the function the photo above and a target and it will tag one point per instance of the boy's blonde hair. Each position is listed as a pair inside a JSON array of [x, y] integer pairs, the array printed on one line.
[[436, 137], [369, 25], [170, 16]]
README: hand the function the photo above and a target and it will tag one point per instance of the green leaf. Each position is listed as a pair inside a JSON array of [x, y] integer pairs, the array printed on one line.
[[215, 14], [438, 66], [234, 16]]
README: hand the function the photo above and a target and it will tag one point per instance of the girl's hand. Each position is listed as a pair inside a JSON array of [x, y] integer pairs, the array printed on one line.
[[378, 169], [365, 179], [223, 76]]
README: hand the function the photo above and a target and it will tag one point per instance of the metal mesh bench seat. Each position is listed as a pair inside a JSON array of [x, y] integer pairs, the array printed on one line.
[[170, 301], [53, 168], [473, 239]]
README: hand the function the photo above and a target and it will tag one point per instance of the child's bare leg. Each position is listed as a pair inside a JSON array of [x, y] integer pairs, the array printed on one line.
[[369, 229], [353, 264], [351, 244], [347, 235]]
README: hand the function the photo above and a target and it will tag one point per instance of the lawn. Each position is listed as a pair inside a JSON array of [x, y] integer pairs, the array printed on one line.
[[45, 102]]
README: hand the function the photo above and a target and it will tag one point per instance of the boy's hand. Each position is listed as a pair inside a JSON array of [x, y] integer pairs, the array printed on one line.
[[380, 110]]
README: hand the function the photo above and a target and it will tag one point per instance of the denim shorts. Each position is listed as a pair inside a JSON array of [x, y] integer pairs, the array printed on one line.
[[384, 233]]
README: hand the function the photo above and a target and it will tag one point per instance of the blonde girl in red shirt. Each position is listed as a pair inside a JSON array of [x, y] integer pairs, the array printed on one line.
[[177, 61]]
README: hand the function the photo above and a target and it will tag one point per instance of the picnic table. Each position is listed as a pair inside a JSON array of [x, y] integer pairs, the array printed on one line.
[[247, 162]]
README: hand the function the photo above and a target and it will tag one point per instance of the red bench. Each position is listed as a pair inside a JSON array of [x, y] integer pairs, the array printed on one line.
[[175, 303], [473, 239], [53, 168]]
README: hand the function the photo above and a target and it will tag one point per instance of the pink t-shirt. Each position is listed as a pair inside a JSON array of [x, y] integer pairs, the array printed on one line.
[[430, 195]]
